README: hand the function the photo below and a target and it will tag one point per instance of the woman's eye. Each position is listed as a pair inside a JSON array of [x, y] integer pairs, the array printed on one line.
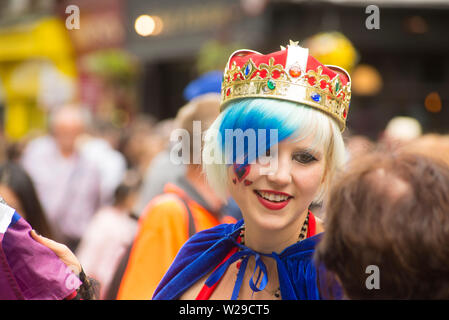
[[303, 157]]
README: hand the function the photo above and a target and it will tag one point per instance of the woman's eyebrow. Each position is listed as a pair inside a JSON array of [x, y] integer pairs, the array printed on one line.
[[310, 150]]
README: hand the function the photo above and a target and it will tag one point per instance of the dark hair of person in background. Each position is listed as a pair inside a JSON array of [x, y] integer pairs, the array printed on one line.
[[390, 211], [126, 192], [122, 192], [13, 177]]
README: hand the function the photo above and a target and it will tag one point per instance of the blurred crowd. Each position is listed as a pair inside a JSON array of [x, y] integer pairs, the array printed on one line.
[[85, 182], [79, 182]]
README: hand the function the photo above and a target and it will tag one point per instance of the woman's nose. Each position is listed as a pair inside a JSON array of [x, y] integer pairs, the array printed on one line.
[[281, 174]]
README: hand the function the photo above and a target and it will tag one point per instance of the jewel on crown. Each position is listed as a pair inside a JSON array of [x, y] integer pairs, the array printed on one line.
[[290, 74]]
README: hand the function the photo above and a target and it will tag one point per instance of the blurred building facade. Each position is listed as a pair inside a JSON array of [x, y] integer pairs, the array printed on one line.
[[401, 68], [37, 66], [138, 56]]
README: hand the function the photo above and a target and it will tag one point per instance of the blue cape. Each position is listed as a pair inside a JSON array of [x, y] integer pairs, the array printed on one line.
[[206, 249]]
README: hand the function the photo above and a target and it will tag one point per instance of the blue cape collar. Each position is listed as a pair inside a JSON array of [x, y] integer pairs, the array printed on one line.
[[259, 283]]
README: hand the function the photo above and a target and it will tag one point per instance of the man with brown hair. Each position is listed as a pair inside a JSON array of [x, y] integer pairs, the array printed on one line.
[[390, 214]]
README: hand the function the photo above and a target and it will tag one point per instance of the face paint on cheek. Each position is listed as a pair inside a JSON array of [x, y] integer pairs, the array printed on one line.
[[241, 172], [247, 182]]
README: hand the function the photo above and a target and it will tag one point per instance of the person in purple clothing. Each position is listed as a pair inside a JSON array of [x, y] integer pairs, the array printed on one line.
[[33, 267]]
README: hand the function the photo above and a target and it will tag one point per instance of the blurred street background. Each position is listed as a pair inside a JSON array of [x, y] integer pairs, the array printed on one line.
[[119, 71], [128, 66]]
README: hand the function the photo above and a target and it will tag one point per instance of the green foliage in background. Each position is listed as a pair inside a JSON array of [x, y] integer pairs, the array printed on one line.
[[113, 66], [213, 55]]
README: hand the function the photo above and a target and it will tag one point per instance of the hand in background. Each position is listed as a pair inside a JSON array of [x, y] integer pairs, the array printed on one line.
[[61, 250]]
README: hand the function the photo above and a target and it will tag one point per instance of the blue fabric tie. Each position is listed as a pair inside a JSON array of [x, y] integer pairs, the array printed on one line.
[[245, 253]]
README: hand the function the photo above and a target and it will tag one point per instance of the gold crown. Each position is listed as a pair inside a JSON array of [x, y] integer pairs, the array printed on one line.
[[311, 87]]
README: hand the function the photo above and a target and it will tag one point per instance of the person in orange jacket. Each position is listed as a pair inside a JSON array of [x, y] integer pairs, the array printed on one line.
[[188, 205]]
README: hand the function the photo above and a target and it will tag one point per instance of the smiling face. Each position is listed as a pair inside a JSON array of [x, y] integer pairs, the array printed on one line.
[[276, 200]]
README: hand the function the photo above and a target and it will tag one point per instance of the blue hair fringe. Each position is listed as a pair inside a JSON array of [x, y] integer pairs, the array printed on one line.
[[255, 114]]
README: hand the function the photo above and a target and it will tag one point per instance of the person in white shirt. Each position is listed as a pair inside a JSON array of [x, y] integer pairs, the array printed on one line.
[[67, 183]]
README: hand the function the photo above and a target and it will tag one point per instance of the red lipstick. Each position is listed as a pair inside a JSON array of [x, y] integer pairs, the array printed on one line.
[[271, 204]]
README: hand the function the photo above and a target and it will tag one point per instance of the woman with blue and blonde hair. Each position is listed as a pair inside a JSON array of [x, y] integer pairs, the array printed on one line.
[[274, 148]]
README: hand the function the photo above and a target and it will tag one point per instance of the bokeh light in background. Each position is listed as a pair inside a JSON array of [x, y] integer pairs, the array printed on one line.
[[433, 102], [146, 25], [416, 25], [159, 25], [403, 129], [332, 48], [366, 80]]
